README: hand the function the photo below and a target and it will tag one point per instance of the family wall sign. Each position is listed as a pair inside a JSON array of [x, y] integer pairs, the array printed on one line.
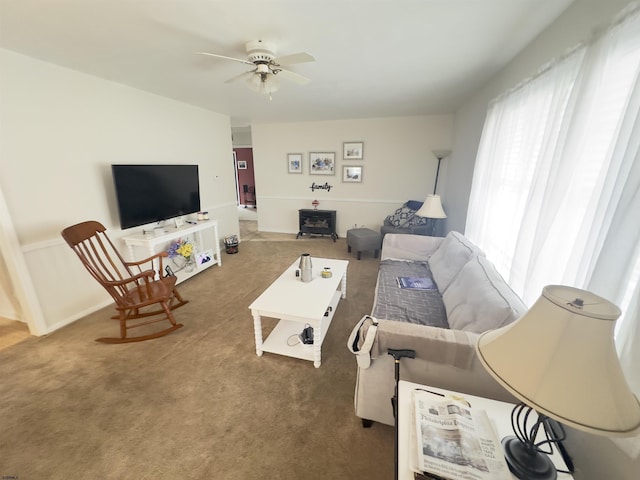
[[314, 186]]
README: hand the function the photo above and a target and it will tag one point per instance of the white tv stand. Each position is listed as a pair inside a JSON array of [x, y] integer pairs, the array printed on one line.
[[150, 242]]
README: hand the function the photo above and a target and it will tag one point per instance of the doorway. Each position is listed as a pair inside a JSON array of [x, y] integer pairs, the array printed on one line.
[[245, 179]]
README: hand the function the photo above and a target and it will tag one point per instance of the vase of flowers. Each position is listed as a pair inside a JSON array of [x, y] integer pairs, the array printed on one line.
[[183, 249]]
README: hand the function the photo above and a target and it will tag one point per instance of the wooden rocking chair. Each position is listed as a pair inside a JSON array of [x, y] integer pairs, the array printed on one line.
[[138, 290]]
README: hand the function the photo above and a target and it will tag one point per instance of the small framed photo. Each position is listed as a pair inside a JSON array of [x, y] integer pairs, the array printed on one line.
[[352, 174], [204, 258], [294, 162], [353, 150], [242, 164], [322, 163]]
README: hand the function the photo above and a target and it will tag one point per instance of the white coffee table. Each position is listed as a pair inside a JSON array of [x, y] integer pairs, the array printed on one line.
[[296, 304]]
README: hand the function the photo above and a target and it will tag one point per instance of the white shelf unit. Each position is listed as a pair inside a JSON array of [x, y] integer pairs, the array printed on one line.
[[152, 243]]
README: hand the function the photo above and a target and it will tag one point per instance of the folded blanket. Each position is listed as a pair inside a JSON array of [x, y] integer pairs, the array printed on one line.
[[423, 307]]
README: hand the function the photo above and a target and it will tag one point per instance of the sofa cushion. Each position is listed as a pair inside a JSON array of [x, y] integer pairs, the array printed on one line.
[[479, 299], [450, 257]]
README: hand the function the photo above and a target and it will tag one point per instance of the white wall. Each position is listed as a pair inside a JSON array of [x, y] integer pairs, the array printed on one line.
[[60, 130], [241, 136], [398, 166], [595, 457]]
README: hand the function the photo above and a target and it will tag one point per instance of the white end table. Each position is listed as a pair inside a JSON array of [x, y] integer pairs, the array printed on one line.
[[499, 413]]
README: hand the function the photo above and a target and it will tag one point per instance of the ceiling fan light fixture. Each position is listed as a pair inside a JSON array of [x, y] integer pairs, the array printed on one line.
[[269, 85], [263, 83], [254, 82]]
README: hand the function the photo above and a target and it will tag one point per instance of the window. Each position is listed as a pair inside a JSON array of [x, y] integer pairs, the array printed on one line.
[[555, 194]]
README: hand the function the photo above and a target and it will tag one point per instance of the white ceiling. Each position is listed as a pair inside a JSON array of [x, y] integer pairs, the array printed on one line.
[[374, 58]]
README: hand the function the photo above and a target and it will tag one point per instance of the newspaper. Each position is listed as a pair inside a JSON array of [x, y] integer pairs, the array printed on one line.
[[452, 440]]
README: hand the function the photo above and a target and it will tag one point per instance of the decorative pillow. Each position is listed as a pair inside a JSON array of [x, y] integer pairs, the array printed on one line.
[[479, 299], [413, 205], [418, 221], [450, 257], [401, 217]]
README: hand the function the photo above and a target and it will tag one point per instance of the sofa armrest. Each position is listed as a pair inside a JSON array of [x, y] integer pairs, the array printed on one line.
[[444, 358], [409, 247], [433, 344]]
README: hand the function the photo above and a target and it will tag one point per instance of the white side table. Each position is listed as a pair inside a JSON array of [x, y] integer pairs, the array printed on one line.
[[499, 413]]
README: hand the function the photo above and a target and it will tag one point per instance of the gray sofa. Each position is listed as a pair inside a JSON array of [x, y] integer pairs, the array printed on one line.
[[441, 325]]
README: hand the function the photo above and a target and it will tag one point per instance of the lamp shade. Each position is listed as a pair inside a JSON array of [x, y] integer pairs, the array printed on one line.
[[560, 359], [440, 154], [431, 208]]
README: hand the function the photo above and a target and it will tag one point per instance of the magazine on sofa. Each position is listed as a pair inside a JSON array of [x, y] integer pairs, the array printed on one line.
[[416, 283], [452, 440]]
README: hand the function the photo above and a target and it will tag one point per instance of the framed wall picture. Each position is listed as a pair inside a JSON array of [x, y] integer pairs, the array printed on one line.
[[294, 162], [352, 174], [322, 163], [353, 150], [242, 164]]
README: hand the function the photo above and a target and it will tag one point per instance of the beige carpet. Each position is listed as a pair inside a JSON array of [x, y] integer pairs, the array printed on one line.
[[249, 232], [198, 403]]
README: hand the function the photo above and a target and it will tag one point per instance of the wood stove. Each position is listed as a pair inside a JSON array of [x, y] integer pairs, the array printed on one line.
[[317, 222]]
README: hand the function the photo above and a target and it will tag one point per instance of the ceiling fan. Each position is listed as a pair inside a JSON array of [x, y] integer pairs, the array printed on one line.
[[262, 56]]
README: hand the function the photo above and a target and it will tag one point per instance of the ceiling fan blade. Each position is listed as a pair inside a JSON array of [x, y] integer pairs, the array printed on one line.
[[293, 77], [243, 75], [247, 62], [301, 57]]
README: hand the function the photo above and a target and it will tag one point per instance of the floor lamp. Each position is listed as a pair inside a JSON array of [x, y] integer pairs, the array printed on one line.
[[559, 359], [432, 206]]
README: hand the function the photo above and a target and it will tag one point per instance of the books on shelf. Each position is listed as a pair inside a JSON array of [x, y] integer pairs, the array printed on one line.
[[449, 439], [416, 283]]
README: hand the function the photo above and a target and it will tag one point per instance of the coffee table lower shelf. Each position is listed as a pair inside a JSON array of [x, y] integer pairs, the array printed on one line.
[[286, 331]]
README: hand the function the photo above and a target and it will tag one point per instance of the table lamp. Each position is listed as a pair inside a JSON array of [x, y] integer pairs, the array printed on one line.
[[560, 360]]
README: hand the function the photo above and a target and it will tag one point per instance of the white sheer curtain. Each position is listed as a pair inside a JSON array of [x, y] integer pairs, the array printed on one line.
[[520, 142], [555, 197]]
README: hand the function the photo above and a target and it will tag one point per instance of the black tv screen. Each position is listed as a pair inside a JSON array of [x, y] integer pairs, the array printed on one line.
[[151, 193]]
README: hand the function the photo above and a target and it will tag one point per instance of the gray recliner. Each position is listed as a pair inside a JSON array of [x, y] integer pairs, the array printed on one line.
[[405, 220]]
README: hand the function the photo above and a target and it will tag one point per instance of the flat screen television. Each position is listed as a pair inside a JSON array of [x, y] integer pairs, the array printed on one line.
[[152, 193]]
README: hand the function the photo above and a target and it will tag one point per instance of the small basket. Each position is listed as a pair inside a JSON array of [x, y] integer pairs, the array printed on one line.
[[231, 244]]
